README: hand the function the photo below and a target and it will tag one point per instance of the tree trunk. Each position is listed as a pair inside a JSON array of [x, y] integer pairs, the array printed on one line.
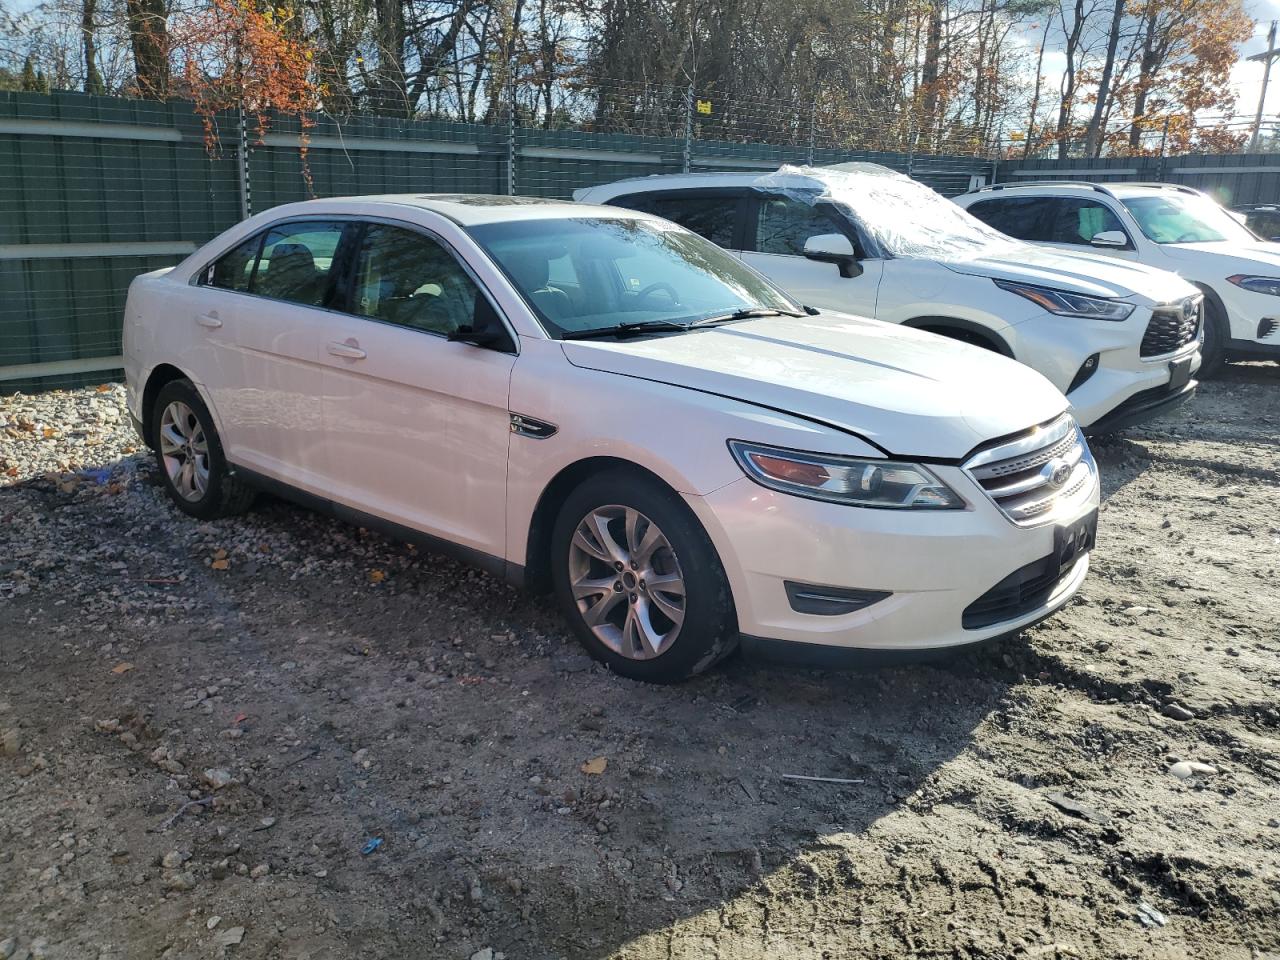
[[1093, 139], [1069, 79], [1035, 97], [92, 77], [149, 36], [390, 96], [929, 73]]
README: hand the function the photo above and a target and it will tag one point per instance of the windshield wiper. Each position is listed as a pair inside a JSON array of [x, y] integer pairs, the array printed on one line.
[[746, 313], [622, 330]]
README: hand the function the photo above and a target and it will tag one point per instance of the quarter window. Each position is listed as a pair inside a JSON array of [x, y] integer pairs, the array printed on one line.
[[783, 225], [712, 217], [234, 270], [411, 280]]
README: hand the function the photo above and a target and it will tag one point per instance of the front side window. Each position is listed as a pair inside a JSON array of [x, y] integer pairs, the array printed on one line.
[[711, 216], [623, 271], [296, 261], [409, 279], [783, 225], [1076, 220], [1025, 218], [1185, 218]]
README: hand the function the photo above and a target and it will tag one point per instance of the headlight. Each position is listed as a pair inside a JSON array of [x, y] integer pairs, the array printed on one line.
[[861, 483], [1066, 304], [1267, 285]]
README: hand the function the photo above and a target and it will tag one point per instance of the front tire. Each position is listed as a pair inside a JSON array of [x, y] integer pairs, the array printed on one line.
[[639, 581], [1213, 351], [189, 455]]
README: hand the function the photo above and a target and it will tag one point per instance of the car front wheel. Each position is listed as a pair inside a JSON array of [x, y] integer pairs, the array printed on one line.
[[189, 455], [639, 580]]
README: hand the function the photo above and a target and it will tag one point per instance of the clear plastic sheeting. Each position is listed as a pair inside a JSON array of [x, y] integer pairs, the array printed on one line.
[[900, 215]]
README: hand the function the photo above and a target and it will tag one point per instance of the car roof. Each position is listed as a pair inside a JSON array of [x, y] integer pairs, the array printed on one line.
[[465, 209], [690, 181], [1058, 188]]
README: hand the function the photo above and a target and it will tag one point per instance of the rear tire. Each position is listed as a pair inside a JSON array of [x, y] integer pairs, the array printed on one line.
[[189, 454], [639, 580]]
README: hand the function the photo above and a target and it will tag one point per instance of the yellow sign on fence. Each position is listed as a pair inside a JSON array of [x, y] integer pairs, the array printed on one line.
[[704, 106]]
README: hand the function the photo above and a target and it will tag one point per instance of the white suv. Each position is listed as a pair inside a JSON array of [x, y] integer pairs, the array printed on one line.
[[1120, 341], [1161, 225], [602, 402]]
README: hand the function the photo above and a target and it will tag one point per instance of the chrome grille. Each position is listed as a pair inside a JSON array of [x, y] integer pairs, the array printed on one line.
[[1171, 327], [1029, 475]]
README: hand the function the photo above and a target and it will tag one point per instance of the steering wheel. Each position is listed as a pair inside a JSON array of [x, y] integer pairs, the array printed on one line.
[[662, 285]]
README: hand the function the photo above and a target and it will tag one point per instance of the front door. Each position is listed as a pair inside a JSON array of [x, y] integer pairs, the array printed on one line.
[[780, 226], [417, 426]]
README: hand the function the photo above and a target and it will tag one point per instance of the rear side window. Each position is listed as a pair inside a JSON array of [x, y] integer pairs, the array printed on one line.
[[1025, 218], [410, 280], [711, 216], [783, 225], [1079, 221], [296, 260]]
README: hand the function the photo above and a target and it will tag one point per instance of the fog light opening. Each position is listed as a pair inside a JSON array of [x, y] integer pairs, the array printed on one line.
[[1087, 370]]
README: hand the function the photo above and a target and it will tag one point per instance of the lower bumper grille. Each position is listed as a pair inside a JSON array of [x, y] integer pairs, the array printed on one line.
[[1023, 591], [1170, 329]]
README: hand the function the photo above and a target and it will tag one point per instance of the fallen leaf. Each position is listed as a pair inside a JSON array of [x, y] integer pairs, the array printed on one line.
[[11, 472], [120, 668], [220, 554], [595, 766], [103, 388], [377, 576], [223, 564], [50, 433]]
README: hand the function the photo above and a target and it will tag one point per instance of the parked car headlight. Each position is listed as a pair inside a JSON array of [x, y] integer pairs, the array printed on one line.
[[1066, 304], [861, 483], [1267, 285]]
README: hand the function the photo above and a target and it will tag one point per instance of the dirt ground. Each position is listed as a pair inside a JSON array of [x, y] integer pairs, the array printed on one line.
[[280, 737]]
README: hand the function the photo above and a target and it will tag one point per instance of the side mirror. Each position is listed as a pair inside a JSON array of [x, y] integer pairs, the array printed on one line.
[[1110, 239], [490, 339], [833, 248]]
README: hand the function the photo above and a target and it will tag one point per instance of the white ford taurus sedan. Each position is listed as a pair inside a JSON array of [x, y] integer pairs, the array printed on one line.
[[600, 402]]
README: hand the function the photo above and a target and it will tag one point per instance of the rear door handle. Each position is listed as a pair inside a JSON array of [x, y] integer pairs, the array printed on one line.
[[209, 320], [348, 350]]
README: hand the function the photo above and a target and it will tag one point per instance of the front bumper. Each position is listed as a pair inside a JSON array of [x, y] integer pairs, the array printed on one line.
[[1147, 405], [1059, 346], [934, 564]]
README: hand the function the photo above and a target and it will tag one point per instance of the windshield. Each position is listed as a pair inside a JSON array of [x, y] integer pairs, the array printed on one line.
[[903, 216], [592, 273], [1184, 218]]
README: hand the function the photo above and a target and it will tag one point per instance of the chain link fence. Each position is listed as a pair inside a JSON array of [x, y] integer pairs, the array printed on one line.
[[94, 190]]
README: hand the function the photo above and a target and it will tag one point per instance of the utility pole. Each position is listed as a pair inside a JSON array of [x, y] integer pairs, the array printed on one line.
[[1267, 57]]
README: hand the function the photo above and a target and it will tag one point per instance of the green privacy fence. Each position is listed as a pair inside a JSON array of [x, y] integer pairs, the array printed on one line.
[[95, 190]]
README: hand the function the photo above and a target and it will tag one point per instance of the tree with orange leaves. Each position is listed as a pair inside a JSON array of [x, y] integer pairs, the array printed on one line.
[[237, 56]]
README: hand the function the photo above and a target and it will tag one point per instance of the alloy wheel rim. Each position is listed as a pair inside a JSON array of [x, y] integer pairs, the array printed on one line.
[[627, 582], [185, 451]]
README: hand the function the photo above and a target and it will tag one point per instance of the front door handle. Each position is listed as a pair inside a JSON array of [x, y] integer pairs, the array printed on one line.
[[348, 350], [209, 320]]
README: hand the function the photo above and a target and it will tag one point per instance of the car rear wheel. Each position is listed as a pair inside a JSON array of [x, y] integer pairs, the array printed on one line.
[[639, 580], [189, 455]]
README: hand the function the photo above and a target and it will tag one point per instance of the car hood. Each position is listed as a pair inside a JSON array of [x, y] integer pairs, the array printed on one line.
[[910, 393], [1229, 258], [1088, 273]]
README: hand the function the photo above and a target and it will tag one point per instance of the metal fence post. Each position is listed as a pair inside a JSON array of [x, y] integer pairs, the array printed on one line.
[[911, 147], [1164, 138], [813, 109], [242, 157], [688, 128], [511, 128]]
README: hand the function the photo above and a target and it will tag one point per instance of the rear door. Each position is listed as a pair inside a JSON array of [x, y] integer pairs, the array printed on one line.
[[777, 229], [262, 310], [417, 425]]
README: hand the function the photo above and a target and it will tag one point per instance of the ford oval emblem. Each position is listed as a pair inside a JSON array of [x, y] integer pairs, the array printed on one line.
[[1056, 473]]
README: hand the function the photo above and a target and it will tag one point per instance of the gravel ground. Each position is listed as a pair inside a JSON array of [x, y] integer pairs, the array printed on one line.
[[281, 737]]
